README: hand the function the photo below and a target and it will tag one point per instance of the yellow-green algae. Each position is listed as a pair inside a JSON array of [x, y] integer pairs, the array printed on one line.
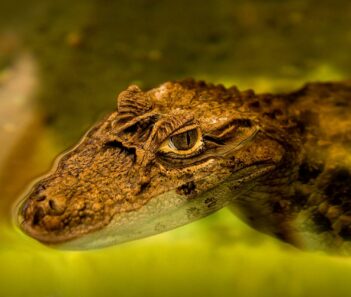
[[86, 52]]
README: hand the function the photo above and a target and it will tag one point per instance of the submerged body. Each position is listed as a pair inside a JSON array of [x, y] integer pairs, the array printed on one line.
[[181, 151]]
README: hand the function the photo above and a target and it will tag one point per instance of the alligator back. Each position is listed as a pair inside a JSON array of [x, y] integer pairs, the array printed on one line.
[[323, 186]]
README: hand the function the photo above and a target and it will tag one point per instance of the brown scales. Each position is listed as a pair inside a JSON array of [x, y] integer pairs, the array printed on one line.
[[303, 196]]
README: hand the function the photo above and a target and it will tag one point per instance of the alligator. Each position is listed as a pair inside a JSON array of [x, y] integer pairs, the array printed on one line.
[[185, 149]]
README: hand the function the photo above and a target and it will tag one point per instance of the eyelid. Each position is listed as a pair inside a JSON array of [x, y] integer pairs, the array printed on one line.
[[185, 129]]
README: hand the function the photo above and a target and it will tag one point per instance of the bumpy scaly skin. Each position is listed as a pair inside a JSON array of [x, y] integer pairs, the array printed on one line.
[[281, 161]]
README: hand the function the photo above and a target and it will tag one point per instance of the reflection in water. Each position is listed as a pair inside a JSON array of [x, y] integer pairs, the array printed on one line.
[[18, 84]]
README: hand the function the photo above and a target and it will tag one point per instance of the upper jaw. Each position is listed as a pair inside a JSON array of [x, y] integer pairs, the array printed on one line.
[[163, 212]]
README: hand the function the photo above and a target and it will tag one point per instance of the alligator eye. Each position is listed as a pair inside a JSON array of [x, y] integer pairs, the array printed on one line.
[[185, 142]]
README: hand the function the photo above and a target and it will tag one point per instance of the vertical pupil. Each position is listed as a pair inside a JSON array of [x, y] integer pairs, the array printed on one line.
[[184, 141], [187, 138]]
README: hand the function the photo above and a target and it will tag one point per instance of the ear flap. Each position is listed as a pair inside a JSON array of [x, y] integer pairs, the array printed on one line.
[[133, 102]]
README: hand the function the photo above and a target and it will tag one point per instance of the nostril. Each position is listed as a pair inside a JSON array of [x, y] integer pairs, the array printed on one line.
[[38, 215], [40, 198], [52, 204], [57, 205]]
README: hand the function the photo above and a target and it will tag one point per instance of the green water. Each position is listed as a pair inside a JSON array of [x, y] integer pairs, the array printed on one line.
[[80, 55]]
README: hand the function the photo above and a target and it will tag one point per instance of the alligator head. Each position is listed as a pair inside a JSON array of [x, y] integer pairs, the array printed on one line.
[[164, 158]]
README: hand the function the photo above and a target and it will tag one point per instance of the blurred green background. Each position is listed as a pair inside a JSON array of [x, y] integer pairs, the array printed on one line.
[[62, 63]]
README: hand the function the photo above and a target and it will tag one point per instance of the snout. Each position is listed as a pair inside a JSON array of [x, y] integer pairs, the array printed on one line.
[[42, 213]]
